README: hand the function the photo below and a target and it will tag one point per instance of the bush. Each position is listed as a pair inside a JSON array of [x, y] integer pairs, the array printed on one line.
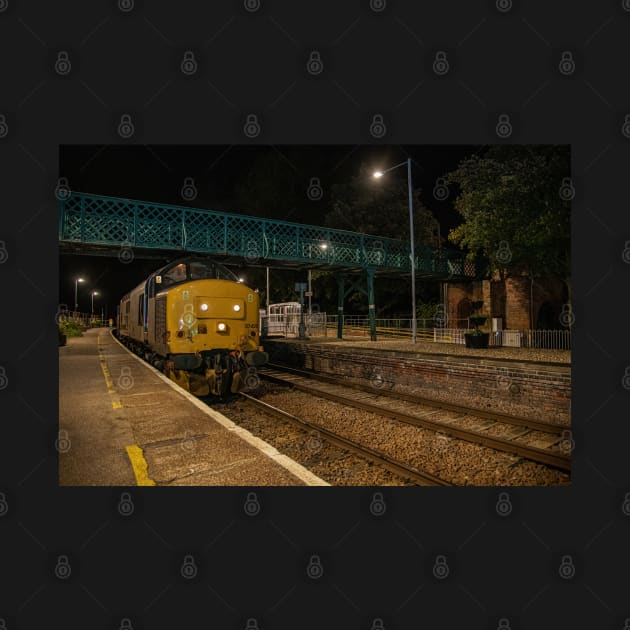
[[70, 328]]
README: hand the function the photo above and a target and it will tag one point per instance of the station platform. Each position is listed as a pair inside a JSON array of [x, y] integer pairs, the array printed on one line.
[[123, 423], [523, 382]]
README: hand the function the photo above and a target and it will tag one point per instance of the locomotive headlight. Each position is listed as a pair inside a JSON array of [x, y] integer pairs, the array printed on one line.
[[237, 308], [203, 307], [221, 327]]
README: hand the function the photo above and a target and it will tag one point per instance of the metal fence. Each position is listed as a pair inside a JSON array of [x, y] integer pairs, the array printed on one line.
[[86, 320], [448, 331]]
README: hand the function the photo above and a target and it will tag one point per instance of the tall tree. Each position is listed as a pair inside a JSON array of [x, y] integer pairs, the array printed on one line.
[[380, 207], [516, 206]]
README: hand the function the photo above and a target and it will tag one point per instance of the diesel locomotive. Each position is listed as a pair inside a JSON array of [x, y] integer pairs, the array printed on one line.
[[196, 322]]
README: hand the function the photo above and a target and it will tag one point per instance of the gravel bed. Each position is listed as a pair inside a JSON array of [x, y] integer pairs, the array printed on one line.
[[401, 345], [457, 461], [334, 465]]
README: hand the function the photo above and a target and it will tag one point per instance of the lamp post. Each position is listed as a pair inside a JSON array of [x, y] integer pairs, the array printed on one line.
[[93, 293], [377, 174], [76, 285]]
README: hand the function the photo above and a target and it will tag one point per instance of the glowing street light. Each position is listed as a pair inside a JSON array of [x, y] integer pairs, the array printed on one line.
[[378, 175], [76, 285], [93, 293]]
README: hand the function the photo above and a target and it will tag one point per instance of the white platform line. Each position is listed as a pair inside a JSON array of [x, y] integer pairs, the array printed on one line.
[[299, 471]]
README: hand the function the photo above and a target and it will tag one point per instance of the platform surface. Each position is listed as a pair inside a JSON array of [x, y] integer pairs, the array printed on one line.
[[126, 424], [560, 358]]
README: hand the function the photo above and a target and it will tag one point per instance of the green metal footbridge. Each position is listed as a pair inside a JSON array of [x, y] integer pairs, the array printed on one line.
[[97, 224]]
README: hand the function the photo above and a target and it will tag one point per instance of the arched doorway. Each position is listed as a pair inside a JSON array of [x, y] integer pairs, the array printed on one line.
[[464, 311], [548, 317]]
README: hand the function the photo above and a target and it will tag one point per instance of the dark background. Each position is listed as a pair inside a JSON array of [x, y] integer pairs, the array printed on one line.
[[375, 62]]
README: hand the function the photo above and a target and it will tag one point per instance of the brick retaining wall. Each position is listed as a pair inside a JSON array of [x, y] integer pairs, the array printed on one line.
[[530, 390]]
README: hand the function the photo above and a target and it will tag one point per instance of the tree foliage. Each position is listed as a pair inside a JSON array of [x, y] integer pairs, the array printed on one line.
[[516, 210], [380, 207]]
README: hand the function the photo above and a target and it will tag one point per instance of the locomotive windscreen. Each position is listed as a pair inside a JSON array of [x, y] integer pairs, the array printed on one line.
[[193, 269]]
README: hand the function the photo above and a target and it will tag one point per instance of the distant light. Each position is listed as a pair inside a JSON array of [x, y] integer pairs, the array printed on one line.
[[203, 307], [378, 174], [80, 280], [94, 292], [237, 307], [241, 279], [324, 245]]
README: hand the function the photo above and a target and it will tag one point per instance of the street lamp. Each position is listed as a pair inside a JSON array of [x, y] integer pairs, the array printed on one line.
[[378, 175], [93, 293], [76, 284]]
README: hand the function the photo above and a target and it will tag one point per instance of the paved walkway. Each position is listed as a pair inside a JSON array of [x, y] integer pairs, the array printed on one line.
[[126, 424]]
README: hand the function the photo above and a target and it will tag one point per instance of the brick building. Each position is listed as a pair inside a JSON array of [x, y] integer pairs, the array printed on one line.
[[521, 303]]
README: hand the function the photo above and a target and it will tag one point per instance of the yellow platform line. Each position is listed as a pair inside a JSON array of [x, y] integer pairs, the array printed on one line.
[[139, 465], [116, 404]]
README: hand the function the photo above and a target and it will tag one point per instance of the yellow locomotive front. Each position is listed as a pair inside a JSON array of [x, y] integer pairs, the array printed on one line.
[[200, 326]]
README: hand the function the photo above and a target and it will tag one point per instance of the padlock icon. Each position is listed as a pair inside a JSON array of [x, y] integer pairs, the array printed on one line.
[[3, 623], [625, 255], [251, 505], [440, 63], [625, 506], [251, 5], [125, 128], [504, 5], [441, 568], [566, 569], [62, 443], [252, 126], [314, 191], [4, 5], [378, 5], [314, 569], [504, 254], [504, 505], [567, 318], [504, 624], [567, 64], [4, 128], [378, 624], [62, 64], [440, 190], [4, 252], [125, 505], [378, 505], [314, 65], [567, 190], [62, 189], [504, 126], [378, 128], [625, 381], [125, 380], [188, 317], [625, 129], [126, 5], [189, 190], [189, 64], [63, 570], [189, 568], [252, 624], [4, 506], [626, 7], [125, 624]]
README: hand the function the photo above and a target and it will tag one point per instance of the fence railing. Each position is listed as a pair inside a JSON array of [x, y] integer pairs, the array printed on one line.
[[436, 330], [85, 319]]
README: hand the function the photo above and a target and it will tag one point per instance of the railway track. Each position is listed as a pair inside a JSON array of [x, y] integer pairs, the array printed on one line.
[[402, 469], [418, 411]]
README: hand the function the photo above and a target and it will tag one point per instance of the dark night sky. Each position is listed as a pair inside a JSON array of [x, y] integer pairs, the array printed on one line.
[[157, 173]]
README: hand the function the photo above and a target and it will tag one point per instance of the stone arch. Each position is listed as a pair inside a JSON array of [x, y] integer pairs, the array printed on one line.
[[464, 308]]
